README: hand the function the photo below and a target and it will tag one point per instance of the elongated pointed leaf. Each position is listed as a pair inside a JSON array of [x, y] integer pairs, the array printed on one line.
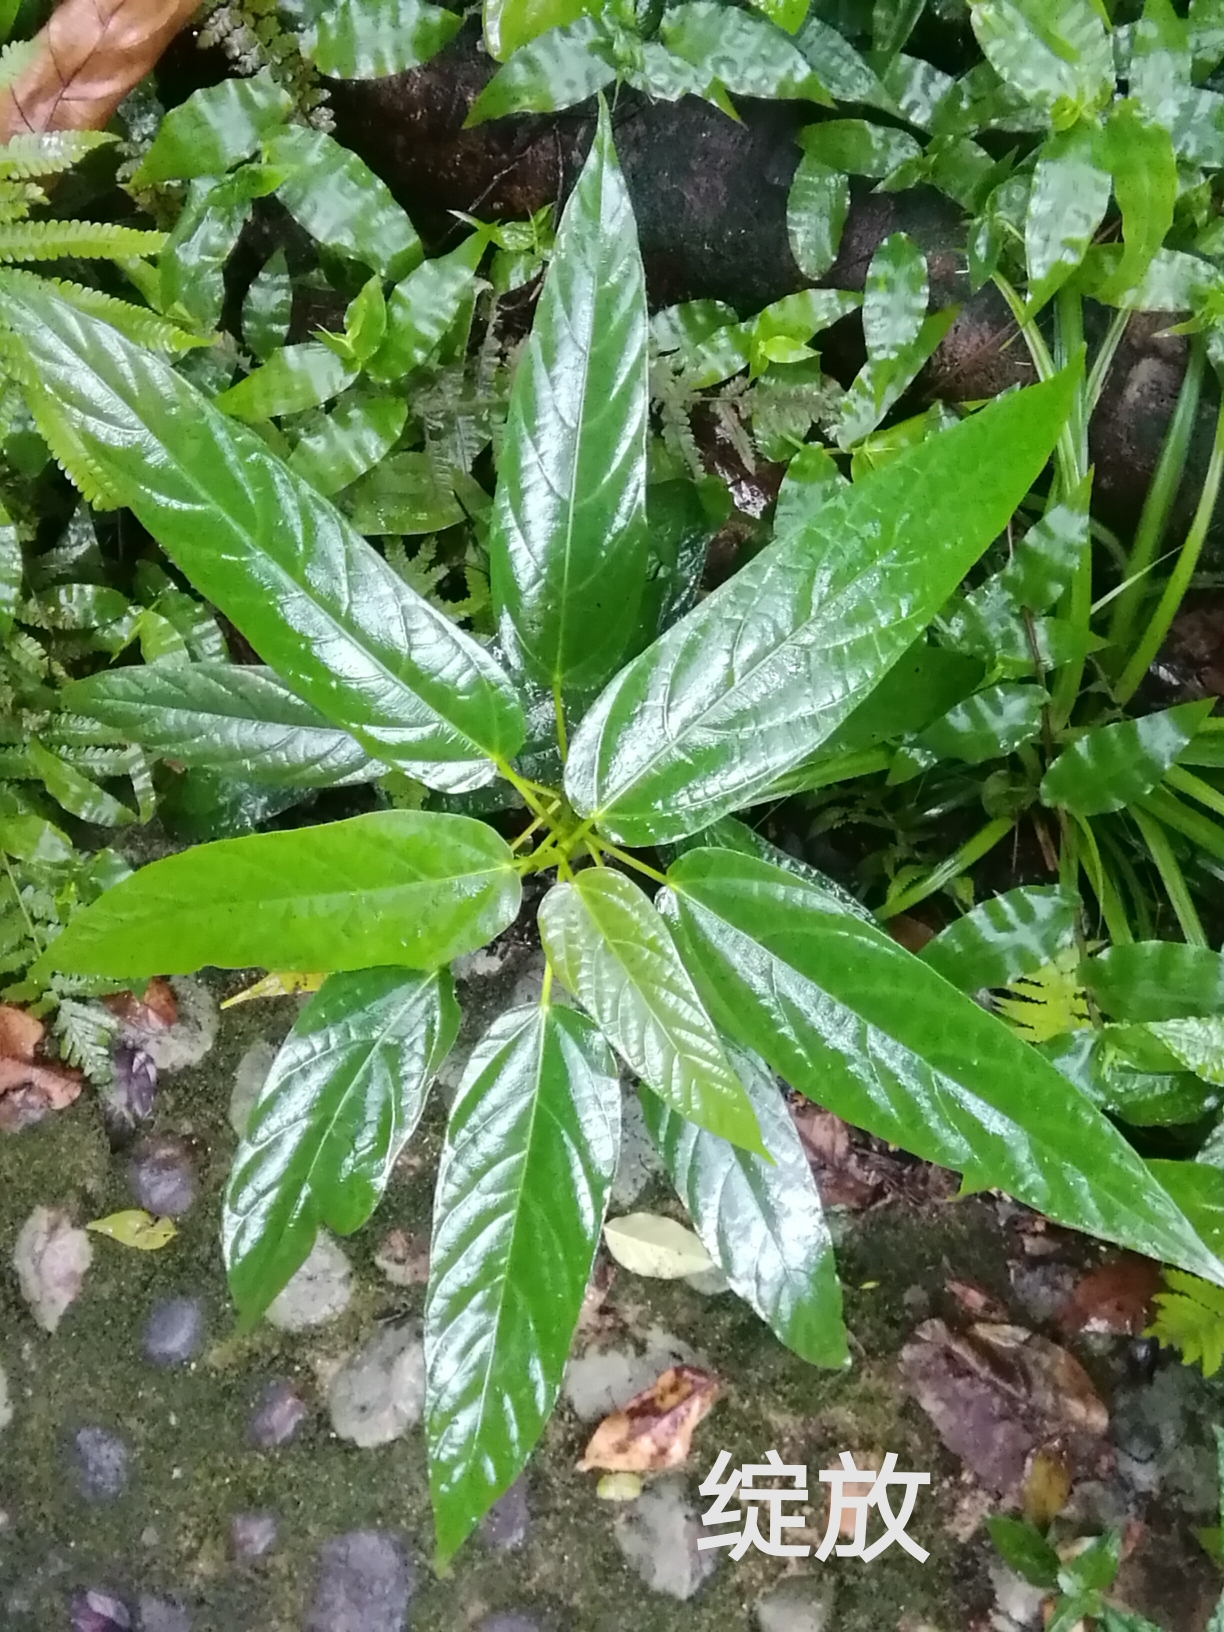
[[422, 307], [268, 307], [530, 1154], [1139, 156], [293, 378], [854, 1021], [762, 1223], [404, 887], [1112, 766], [372, 39], [1157, 980], [1050, 51], [215, 128], [816, 210], [747, 54], [564, 65], [988, 725], [336, 448], [568, 545], [751, 683], [226, 717], [341, 203], [1067, 203], [341, 1101], [613, 951], [1009, 935], [322, 607]]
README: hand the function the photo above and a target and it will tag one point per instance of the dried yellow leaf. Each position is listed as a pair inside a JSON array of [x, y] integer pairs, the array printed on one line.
[[135, 1228], [281, 984]]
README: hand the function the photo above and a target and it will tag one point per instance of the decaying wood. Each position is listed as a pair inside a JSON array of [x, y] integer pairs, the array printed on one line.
[[87, 58]]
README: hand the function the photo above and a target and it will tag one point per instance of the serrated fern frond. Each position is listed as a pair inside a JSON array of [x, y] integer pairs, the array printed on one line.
[[66, 447], [85, 1033], [18, 198], [1047, 1003], [46, 153], [15, 58], [146, 328], [1190, 1318], [86, 240]]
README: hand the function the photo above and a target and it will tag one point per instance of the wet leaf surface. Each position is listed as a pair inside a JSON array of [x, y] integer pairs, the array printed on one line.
[[654, 1431]]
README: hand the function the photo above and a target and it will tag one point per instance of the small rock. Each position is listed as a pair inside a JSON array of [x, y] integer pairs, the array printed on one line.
[[249, 1078], [319, 1291], [174, 1332], [161, 1176], [403, 1258], [1017, 1602], [252, 1535], [99, 1464], [365, 1584], [188, 1040], [6, 1404], [162, 1615], [658, 1536], [603, 1380], [798, 1604], [279, 1413], [507, 1522], [380, 1392], [127, 1100], [98, 1612], [51, 1257]]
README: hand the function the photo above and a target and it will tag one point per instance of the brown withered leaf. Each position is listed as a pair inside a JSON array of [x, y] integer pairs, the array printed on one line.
[[86, 59], [29, 1090], [1047, 1485], [20, 1032], [1115, 1297], [997, 1393], [975, 1301], [655, 1430], [155, 1011], [854, 1170]]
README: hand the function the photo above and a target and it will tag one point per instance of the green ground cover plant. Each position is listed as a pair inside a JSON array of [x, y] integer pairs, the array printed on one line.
[[470, 571]]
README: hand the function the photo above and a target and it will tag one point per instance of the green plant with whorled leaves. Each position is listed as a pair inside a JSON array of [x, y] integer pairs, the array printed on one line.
[[704, 973]]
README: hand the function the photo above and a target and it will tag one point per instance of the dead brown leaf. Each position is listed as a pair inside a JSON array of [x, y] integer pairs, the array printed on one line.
[[20, 1032], [86, 59], [1047, 1485], [655, 1430], [157, 1010], [975, 1301], [29, 1090], [1116, 1297], [856, 1171], [997, 1393]]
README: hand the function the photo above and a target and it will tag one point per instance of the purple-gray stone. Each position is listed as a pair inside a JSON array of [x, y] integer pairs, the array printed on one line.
[[161, 1615], [364, 1584], [95, 1611], [127, 1100], [161, 1176], [252, 1535], [279, 1413], [174, 1332], [507, 1522], [99, 1464]]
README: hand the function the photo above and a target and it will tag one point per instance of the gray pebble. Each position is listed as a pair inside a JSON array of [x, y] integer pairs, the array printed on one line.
[[99, 1464], [365, 1584], [279, 1413], [174, 1332], [252, 1535], [380, 1391], [162, 1615], [318, 1292], [507, 1522], [95, 1611], [161, 1176]]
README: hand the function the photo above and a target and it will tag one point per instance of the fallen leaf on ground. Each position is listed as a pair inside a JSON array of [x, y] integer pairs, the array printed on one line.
[[275, 985], [854, 1170], [155, 1011], [50, 1257], [1047, 1485], [619, 1487], [20, 1032], [133, 1227], [975, 1301], [998, 1393], [1116, 1297], [655, 1430], [85, 60], [649, 1244], [29, 1090]]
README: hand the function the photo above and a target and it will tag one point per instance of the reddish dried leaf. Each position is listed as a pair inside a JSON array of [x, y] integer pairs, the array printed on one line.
[[87, 58], [155, 1011], [30, 1092], [20, 1033], [975, 1301], [1116, 1297], [655, 1429]]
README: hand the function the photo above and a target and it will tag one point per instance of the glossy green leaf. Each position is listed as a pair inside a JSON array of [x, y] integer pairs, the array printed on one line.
[[858, 147], [787, 14], [811, 476], [562, 66], [892, 23], [1139, 156], [336, 623], [754, 680], [236, 718], [917, 88], [336, 448], [761, 1222], [401, 494], [293, 379], [1025, 1550], [341, 203], [191, 267], [988, 725], [612, 950], [1053, 52], [895, 297], [341, 1101], [568, 544], [214, 129], [1174, 281], [423, 306], [1197, 1043], [1006, 936], [530, 1154], [404, 887], [1112, 766], [372, 39], [851, 1019], [1156, 980], [12, 571], [816, 208], [75, 791], [882, 380], [511, 23], [744, 52], [1067, 203], [844, 73], [268, 306]]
